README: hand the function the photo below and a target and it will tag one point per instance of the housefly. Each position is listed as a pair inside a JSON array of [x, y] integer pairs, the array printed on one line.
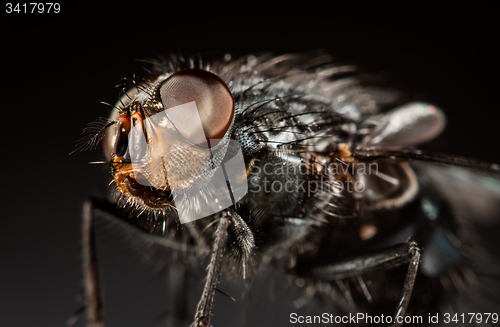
[[300, 164]]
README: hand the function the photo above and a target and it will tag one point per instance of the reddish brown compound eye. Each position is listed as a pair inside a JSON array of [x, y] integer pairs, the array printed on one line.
[[121, 142], [199, 104]]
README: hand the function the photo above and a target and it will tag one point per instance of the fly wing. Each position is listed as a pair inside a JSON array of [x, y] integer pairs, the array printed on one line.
[[410, 124], [472, 193], [393, 183], [414, 123], [473, 198]]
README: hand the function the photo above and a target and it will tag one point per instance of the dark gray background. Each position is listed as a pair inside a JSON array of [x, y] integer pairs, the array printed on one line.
[[56, 68]]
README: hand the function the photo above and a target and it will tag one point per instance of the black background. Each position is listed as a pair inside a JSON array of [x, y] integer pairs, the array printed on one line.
[[58, 67]]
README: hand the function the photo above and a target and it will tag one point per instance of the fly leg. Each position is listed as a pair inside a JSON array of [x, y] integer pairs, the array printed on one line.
[[94, 209], [414, 254], [204, 309], [408, 253], [92, 290]]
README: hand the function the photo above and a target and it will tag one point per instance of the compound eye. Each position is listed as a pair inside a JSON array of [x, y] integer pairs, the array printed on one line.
[[199, 104], [121, 141]]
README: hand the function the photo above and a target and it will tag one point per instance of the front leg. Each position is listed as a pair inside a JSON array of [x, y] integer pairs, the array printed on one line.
[[96, 209], [407, 253], [203, 313], [92, 290]]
